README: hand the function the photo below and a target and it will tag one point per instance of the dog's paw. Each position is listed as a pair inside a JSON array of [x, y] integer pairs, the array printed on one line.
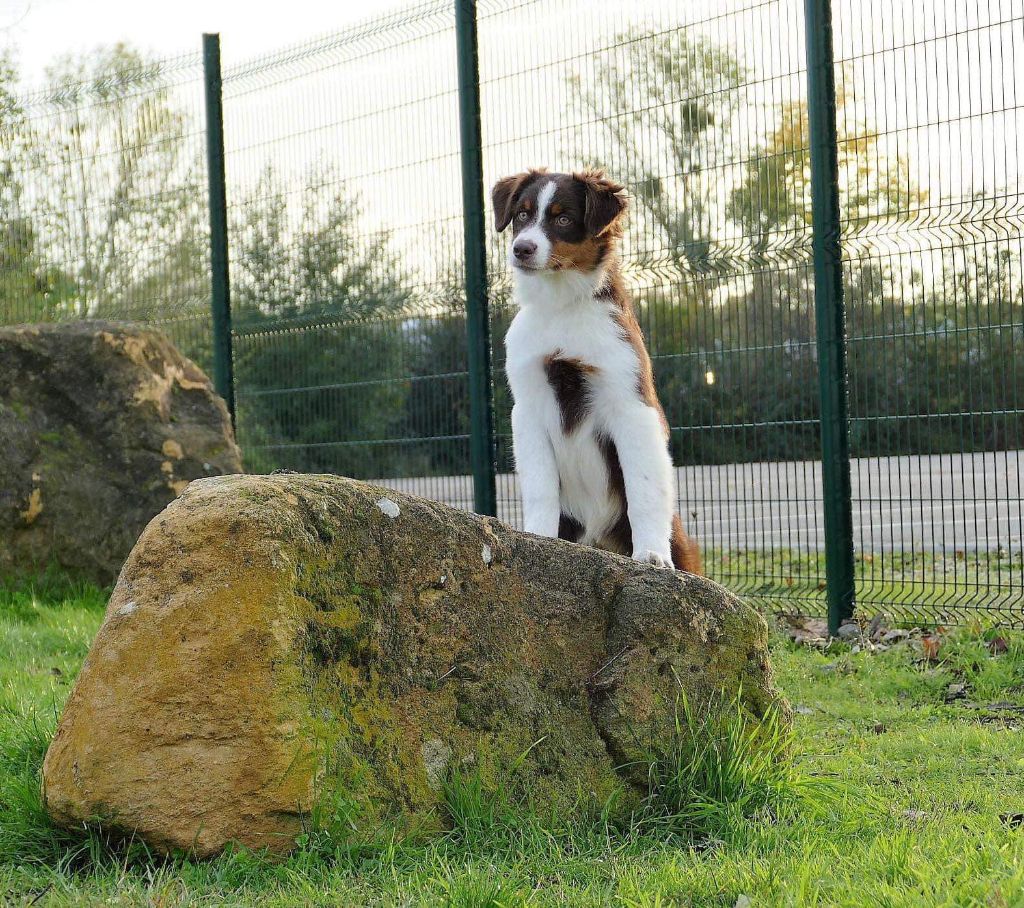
[[649, 556]]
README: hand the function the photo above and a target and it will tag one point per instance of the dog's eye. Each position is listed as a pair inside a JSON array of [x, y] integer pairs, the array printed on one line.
[[522, 216], [563, 220]]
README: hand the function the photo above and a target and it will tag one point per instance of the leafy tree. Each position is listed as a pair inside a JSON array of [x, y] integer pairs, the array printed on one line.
[[118, 190], [667, 110], [322, 333], [773, 202]]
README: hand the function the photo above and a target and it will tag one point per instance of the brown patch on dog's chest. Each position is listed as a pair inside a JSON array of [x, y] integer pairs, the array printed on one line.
[[570, 380]]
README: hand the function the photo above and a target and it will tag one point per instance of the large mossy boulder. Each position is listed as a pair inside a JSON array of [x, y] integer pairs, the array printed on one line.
[[277, 640], [101, 425]]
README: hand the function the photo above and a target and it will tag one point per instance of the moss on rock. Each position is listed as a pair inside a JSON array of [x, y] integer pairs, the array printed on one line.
[[101, 426], [278, 640]]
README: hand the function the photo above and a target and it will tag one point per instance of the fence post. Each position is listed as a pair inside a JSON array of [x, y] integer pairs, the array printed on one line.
[[220, 287], [830, 313], [481, 394]]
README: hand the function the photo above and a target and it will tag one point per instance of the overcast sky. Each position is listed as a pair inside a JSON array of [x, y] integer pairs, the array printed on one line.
[[941, 81], [40, 30]]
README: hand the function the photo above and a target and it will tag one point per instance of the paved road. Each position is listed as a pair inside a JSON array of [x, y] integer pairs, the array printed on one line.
[[926, 503]]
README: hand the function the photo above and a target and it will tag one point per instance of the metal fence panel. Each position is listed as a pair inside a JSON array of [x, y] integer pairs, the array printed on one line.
[[345, 217], [102, 196], [930, 111], [342, 161]]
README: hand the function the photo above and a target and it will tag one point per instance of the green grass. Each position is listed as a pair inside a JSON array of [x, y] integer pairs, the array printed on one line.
[[885, 795]]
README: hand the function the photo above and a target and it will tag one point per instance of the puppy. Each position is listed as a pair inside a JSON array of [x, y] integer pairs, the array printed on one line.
[[589, 435]]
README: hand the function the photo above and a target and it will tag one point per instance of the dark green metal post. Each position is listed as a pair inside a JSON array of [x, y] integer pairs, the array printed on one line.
[[481, 394], [830, 314], [220, 289]]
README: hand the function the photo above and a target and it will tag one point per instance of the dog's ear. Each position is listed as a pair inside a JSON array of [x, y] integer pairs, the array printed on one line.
[[504, 195], [605, 201]]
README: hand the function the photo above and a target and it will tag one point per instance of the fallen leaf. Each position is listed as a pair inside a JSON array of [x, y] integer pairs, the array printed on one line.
[[998, 645], [876, 627], [930, 648]]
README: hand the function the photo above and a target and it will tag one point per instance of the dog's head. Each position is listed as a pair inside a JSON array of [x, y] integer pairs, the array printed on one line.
[[560, 221]]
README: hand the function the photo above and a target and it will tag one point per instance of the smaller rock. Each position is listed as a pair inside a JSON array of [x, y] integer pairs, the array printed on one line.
[[955, 691], [388, 508], [896, 635], [849, 631]]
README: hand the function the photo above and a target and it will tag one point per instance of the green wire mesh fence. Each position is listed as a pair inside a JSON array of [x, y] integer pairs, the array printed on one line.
[[346, 258], [102, 196]]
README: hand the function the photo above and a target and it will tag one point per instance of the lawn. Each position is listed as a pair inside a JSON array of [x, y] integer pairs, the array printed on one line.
[[906, 788]]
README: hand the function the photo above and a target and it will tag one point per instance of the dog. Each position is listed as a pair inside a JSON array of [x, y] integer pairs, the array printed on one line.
[[589, 435]]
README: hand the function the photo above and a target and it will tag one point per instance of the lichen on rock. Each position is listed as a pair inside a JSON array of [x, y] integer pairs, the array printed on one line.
[[101, 425], [276, 640]]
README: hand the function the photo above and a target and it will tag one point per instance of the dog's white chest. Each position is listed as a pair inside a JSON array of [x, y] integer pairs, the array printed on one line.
[[590, 338]]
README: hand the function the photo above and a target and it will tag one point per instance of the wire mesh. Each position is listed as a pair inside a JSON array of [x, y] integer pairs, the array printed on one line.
[[102, 196], [346, 261], [342, 161], [930, 106]]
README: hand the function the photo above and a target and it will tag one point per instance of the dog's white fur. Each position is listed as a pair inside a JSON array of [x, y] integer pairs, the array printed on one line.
[[559, 473]]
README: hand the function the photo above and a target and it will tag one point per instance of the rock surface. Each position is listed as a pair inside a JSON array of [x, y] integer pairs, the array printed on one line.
[[101, 425], [275, 640]]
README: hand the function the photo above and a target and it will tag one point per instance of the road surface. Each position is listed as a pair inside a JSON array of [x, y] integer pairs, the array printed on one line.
[[948, 502]]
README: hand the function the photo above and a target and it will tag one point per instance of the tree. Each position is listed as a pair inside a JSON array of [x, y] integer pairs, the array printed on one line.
[[322, 333], [671, 103], [27, 285], [118, 190], [773, 202]]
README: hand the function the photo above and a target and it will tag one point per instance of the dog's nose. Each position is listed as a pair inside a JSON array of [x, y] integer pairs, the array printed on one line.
[[523, 249]]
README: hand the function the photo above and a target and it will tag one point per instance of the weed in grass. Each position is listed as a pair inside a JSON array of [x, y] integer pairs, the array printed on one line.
[[721, 767], [474, 809]]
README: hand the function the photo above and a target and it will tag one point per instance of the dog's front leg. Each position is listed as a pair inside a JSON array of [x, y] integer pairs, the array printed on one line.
[[537, 472], [640, 442]]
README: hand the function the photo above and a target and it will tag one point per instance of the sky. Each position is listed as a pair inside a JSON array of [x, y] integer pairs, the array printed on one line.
[[39, 30], [942, 81]]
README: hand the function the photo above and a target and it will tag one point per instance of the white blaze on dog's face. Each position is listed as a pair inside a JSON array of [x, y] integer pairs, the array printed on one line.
[[560, 221]]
